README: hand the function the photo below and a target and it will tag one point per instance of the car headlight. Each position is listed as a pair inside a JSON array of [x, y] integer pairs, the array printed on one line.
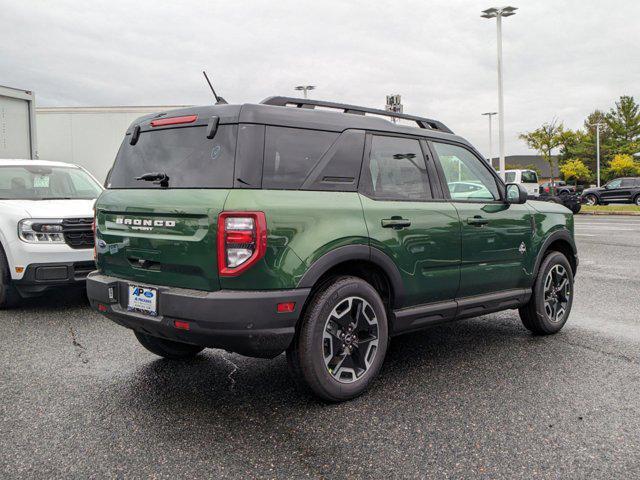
[[47, 230]]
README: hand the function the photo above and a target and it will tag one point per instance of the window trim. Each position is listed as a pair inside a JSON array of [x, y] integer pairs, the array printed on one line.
[[443, 180], [366, 158]]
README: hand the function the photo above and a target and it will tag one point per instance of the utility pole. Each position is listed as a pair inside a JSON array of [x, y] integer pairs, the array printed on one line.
[[305, 89], [489, 115], [498, 13]]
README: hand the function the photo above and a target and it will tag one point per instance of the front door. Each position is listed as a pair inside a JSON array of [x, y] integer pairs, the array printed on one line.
[[419, 233], [496, 236], [618, 190]]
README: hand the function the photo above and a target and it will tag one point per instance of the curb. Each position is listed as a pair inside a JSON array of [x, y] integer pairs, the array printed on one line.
[[630, 214]]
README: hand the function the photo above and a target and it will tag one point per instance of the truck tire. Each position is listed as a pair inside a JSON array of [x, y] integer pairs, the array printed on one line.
[[550, 305], [168, 348], [8, 294], [341, 341]]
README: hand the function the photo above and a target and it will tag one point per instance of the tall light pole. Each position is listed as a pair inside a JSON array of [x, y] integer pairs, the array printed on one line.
[[489, 115], [597, 125], [305, 89], [498, 13]]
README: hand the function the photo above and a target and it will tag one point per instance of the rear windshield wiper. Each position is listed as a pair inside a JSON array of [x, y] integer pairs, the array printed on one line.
[[159, 178]]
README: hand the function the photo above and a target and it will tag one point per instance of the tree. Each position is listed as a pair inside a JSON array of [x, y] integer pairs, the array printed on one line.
[[575, 169], [545, 139], [624, 122], [623, 165]]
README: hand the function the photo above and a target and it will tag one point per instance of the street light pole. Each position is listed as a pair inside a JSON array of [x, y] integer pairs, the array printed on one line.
[[597, 125], [489, 115], [598, 154], [498, 13], [305, 89]]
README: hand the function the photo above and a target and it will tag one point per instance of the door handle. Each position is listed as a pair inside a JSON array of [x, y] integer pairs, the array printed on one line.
[[395, 222], [477, 221]]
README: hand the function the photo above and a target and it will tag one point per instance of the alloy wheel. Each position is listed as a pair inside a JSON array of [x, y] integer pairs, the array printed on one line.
[[591, 200], [350, 339], [557, 293]]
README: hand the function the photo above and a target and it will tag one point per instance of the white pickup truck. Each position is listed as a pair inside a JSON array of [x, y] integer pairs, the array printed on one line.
[[46, 236]]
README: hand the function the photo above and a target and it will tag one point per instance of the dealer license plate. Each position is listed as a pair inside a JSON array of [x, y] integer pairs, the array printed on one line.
[[143, 299]]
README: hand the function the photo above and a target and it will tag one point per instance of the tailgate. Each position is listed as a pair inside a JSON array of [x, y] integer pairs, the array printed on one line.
[[160, 237]]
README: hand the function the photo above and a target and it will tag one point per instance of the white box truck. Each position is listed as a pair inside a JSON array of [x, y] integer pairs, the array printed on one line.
[[17, 124]]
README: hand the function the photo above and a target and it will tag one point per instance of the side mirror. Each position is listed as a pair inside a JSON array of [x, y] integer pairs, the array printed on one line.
[[515, 193]]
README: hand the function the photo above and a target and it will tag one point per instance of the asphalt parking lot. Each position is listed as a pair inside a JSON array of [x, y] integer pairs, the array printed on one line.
[[480, 398]]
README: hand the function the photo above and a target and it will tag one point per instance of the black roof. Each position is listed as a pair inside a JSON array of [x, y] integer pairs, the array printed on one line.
[[302, 113]]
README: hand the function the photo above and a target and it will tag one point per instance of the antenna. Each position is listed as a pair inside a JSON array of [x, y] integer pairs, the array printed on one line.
[[219, 100]]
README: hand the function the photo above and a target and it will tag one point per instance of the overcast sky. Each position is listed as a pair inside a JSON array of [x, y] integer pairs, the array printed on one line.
[[561, 58]]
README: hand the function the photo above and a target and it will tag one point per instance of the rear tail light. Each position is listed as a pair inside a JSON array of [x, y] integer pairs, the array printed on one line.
[[242, 241], [174, 120], [95, 239]]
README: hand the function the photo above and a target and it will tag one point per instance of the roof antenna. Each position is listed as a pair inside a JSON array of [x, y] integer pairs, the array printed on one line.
[[219, 100]]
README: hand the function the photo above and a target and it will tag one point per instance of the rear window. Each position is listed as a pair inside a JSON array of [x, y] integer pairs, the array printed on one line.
[[290, 154], [529, 176], [186, 155], [510, 177]]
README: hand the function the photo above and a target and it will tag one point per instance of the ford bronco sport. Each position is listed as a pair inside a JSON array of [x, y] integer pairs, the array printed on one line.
[[319, 229]]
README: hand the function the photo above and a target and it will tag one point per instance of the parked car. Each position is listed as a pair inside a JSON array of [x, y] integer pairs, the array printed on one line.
[[467, 190], [46, 239], [559, 187], [321, 232], [527, 178], [619, 190]]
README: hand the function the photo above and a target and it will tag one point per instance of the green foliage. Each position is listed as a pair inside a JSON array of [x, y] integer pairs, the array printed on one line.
[[623, 165], [545, 139], [576, 170], [619, 134], [624, 122]]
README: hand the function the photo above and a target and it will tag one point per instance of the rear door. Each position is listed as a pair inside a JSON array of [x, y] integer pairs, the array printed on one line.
[[166, 235], [496, 236], [405, 219]]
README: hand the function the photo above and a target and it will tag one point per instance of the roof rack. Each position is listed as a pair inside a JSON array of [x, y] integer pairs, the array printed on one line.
[[311, 104]]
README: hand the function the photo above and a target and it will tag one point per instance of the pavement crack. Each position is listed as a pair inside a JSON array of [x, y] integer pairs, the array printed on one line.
[[603, 352], [232, 373], [81, 351]]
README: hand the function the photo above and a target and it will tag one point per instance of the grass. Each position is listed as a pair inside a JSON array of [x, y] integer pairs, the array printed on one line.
[[611, 209]]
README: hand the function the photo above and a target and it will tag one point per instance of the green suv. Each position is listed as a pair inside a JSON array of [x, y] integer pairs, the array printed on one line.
[[319, 229]]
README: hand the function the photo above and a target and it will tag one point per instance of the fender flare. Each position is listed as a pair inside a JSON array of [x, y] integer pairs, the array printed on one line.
[[563, 235], [356, 252]]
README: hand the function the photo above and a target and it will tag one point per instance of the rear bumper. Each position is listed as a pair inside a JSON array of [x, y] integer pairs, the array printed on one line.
[[245, 322], [39, 277]]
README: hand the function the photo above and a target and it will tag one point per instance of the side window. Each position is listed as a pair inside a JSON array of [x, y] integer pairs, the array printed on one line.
[[396, 170], [614, 183], [467, 176], [627, 182], [290, 154]]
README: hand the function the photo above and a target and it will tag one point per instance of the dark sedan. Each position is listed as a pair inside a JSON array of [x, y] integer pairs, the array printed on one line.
[[619, 190]]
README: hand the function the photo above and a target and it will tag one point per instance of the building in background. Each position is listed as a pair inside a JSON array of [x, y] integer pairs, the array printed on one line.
[[87, 136], [17, 123], [533, 162]]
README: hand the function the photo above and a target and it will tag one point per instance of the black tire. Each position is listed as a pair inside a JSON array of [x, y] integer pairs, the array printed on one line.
[[636, 200], [591, 199], [537, 315], [8, 294], [168, 348], [325, 328]]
